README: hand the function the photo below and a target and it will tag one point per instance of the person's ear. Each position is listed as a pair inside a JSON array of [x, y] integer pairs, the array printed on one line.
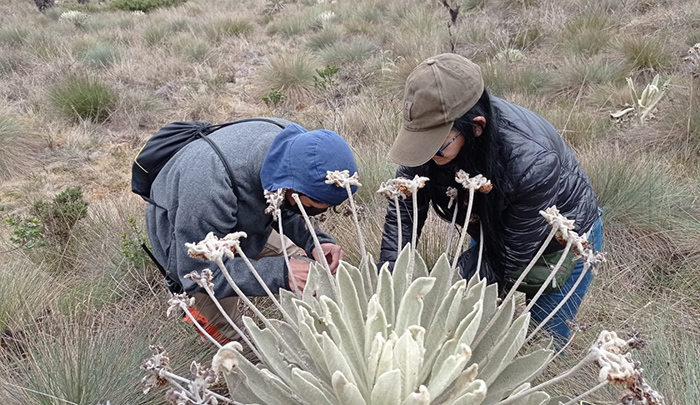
[[480, 122]]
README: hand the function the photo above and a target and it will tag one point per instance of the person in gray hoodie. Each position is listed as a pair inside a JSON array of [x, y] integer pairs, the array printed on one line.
[[193, 196]]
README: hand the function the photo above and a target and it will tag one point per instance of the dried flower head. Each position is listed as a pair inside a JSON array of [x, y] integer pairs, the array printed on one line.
[[159, 361], [390, 189], [274, 201], [452, 194], [478, 182], [693, 59], [613, 357], [558, 222], [203, 279], [179, 301], [213, 249], [407, 187], [342, 178]]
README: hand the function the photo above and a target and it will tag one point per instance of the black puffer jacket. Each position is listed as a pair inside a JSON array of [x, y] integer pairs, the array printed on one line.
[[540, 171]]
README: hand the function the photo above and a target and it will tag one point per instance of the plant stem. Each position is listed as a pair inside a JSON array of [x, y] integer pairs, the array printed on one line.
[[317, 244], [586, 266], [452, 230], [201, 329], [230, 321], [278, 212], [176, 378], [353, 208], [551, 275], [414, 236], [398, 224], [257, 312], [513, 289], [587, 393], [464, 229], [481, 247], [284, 313], [586, 360]]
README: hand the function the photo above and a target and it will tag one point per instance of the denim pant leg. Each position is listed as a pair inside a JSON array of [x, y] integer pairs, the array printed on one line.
[[547, 302]]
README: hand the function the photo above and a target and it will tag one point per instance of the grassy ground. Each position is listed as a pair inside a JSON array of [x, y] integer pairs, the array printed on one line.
[[80, 94]]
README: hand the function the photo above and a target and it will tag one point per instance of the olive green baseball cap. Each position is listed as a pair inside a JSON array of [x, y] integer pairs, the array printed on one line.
[[438, 91]]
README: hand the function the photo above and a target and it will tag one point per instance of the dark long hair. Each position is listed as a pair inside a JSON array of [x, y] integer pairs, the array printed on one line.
[[482, 155]]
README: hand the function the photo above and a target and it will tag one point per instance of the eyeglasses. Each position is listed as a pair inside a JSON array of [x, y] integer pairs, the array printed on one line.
[[445, 146]]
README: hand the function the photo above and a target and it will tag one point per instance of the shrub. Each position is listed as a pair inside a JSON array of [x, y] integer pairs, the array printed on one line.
[[292, 75], [645, 52], [231, 27], [83, 98], [59, 216], [144, 5]]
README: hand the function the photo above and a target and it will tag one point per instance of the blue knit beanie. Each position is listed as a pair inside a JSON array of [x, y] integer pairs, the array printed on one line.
[[299, 160]]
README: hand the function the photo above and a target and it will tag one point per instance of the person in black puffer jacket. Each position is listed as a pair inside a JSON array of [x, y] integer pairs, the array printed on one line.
[[450, 123]]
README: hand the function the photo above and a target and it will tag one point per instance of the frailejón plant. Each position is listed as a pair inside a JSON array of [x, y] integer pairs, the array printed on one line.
[[407, 337]]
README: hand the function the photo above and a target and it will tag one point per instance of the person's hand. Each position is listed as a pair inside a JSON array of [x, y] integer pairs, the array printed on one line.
[[299, 270], [334, 254]]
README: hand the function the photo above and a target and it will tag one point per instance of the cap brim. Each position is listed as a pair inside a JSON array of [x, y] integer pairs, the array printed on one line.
[[413, 148]]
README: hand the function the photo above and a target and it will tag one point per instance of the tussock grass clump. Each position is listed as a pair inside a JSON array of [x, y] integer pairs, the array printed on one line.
[[10, 63], [231, 27], [194, 50], [580, 73], [646, 52], [355, 51], [83, 98], [155, 35], [15, 37], [577, 125], [502, 78], [26, 291], [11, 142], [143, 5], [293, 75], [291, 26], [98, 55], [587, 35], [635, 189], [328, 36]]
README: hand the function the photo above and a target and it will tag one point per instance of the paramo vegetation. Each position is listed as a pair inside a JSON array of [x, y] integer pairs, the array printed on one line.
[[84, 83]]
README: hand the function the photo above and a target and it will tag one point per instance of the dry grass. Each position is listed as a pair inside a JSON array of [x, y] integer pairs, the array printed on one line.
[[205, 60]]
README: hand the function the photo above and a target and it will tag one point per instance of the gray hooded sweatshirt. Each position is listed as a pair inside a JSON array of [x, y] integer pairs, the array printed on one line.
[[193, 196]]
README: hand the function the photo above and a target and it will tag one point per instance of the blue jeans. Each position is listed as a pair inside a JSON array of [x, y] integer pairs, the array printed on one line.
[[547, 302]]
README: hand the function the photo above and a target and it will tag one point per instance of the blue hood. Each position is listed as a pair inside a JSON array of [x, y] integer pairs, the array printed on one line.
[[299, 159]]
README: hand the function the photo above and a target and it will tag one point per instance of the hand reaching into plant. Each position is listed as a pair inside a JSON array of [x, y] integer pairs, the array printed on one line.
[[298, 271], [334, 254]]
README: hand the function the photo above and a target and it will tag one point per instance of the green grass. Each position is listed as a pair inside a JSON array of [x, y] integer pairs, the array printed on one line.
[[580, 73], [155, 35], [226, 28], [355, 51], [194, 50], [503, 78], [98, 55], [83, 98], [324, 38], [143, 5], [587, 35], [646, 52], [290, 74], [15, 37]]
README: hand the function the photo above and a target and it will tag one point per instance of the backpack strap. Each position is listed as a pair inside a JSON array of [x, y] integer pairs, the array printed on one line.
[[204, 134]]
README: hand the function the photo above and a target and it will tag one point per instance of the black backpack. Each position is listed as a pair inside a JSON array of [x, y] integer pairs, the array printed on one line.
[[157, 152], [167, 142]]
